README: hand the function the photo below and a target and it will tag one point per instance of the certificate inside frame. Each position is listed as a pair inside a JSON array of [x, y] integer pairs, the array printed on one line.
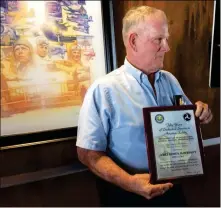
[[152, 160], [105, 30]]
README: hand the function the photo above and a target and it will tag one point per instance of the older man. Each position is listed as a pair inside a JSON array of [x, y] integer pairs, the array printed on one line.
[[23, 53], [74, 66], [83, 72], [111, 137], [42, 46]]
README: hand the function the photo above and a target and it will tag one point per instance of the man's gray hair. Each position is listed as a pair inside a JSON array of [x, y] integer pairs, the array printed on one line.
[[136, 16]]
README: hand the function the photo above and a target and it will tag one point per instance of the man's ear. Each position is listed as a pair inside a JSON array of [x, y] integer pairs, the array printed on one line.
[[133, 41]]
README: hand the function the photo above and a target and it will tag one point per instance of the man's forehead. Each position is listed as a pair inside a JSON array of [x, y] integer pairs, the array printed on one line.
[[43, 45], [21, 46], [160, 32], [157, 29], [76, 49]]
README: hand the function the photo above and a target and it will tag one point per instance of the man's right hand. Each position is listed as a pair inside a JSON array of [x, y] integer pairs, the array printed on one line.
[[140, 184], [103, 166]]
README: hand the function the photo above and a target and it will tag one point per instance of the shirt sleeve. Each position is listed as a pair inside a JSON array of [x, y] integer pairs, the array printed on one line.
[[93, 123]]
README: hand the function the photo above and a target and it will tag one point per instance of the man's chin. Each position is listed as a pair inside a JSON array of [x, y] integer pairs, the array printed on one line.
[[160, 66], [154, 71]]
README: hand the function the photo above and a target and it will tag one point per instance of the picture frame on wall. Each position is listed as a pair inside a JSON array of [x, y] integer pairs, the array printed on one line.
[[51, 52], [214, 49]]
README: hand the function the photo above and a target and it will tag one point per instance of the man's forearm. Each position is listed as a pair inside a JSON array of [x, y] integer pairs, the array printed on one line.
[[106, 168]]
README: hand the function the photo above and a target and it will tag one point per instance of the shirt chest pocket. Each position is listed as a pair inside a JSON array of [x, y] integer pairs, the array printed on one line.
[[165, 100]]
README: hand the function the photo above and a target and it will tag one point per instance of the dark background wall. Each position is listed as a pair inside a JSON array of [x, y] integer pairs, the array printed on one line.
[[50, 175], [190, 27]]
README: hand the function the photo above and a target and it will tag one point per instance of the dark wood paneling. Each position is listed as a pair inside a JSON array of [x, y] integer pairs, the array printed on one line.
[[79, 189], [75, 190], [190, 26], [205, 192], [37, 157]]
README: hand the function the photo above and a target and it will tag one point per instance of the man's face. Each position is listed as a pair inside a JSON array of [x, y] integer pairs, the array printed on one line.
[[76, 55], [22, 53], [42, 50], [152, 44]]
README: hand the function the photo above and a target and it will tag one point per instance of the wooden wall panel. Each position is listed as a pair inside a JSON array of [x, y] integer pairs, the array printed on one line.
[[75, 190], [37, 157], [205, 192], [79, 189], [190, 26]]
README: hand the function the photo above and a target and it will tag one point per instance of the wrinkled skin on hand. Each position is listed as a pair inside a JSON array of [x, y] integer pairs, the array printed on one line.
[[142, 186]]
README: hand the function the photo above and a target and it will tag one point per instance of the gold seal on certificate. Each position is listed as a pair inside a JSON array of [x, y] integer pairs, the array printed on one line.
[[174, 143]]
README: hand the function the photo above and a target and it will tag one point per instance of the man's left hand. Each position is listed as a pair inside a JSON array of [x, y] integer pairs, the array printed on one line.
[[203, 112]]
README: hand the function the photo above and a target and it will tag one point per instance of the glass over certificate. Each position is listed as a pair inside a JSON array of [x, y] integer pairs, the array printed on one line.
[[174, 142]]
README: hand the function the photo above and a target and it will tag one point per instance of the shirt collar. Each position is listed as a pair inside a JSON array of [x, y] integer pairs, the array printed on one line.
[[136, 73]]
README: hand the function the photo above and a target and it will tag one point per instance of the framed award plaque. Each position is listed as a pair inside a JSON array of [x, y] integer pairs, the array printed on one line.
[[174, 143]]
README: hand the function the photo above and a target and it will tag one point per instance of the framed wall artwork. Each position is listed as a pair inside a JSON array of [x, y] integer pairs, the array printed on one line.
[[51, 52]]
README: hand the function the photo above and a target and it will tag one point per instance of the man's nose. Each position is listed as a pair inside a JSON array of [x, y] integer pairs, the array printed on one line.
[[20, 51], [165, 46]]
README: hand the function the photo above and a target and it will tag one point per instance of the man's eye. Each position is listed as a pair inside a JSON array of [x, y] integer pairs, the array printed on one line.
[[158, 40]]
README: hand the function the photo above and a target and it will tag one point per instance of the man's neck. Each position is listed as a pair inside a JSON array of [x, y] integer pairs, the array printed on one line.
[[23, 63], [151, 78], [137, 66]]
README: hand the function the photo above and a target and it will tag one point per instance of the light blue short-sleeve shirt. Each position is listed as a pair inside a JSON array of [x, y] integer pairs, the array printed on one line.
[[111, 117]]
